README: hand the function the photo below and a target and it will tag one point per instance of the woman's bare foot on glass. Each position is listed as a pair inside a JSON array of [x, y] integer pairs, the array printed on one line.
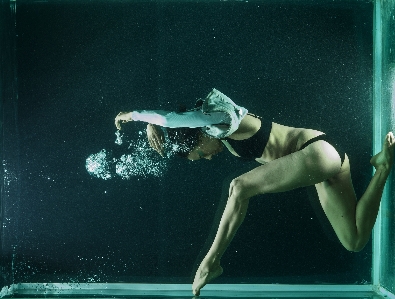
[[384, 159], [204, 275]]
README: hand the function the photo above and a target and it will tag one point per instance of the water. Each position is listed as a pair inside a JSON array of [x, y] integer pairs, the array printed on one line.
[[82, 205]]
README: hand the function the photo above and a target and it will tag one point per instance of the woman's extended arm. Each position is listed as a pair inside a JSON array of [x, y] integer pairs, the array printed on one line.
[[156, 118], [188, 119]]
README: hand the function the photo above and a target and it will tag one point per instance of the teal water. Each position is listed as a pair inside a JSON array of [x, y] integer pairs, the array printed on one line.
[[69, 67]]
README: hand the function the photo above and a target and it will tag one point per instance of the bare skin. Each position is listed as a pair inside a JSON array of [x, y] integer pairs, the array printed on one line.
[[352, 221], [289, 167]]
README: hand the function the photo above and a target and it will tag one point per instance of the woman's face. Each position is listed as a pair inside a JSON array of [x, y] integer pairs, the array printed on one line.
[[206, 148]]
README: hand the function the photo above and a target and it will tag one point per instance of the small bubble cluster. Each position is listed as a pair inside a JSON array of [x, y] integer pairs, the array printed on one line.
[[119, 138], [98, 165]]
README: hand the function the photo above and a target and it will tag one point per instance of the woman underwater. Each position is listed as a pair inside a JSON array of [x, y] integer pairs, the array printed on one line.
[[291, 158]]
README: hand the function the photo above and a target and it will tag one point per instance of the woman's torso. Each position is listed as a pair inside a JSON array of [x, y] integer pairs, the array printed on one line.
[[282, 140]]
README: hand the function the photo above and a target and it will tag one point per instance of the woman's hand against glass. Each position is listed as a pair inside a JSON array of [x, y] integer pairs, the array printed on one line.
[[156, 138], [122, 117]]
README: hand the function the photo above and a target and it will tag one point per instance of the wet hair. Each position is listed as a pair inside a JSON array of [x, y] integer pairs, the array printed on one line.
[[184, 140]]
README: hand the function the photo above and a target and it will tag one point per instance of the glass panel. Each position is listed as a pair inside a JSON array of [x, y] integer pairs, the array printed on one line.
[[246, 291], [387, 278], [79, 64], [9, 148]]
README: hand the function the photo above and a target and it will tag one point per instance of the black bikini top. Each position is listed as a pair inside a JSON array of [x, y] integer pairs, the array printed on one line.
[[253, 147]]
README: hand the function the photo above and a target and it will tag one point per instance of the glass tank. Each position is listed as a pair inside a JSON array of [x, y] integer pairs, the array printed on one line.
[[87, 210]]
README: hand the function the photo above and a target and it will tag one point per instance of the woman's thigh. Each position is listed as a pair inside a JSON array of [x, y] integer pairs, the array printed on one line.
[[338, 200], [314, 164]]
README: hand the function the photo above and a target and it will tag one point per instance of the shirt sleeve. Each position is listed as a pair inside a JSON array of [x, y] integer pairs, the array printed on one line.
[[189, 119]]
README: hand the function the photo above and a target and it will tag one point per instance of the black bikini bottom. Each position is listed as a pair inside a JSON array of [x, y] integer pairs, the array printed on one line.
[[326, 138]]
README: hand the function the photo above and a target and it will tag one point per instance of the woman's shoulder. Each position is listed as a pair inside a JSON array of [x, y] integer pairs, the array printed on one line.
[[249, 125]]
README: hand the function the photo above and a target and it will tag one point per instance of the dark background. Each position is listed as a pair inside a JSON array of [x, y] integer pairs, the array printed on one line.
[[80, 63]]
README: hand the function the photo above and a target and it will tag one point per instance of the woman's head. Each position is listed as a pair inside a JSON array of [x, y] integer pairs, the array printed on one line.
[[192, 144], [183, 140]]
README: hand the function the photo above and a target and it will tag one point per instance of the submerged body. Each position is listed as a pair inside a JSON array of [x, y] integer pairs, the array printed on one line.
[[291, 158]]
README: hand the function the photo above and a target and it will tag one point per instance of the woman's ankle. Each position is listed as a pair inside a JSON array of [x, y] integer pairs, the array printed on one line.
[[211, 260]]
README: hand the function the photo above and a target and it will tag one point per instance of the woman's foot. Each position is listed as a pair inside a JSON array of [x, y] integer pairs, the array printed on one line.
[[204, 275], [384, 159]]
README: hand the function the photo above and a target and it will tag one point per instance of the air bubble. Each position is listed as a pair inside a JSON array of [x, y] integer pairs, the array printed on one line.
[[98, 165], [119, 138], [141, 161]]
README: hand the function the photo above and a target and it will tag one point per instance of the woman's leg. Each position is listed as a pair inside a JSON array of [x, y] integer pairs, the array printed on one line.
[[316, 163], [353, 221]]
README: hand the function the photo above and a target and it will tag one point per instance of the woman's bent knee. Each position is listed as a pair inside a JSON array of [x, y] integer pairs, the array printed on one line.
[[358, 246], [355, 246]]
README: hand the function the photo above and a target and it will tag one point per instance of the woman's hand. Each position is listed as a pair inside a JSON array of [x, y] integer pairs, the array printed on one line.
[[156, 138], [122, 117]]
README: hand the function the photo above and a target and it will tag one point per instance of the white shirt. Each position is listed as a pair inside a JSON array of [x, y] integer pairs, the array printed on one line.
[[188, 119]]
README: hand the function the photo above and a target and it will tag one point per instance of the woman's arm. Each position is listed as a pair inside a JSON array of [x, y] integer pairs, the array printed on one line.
[[249, 125], [189, 119]]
